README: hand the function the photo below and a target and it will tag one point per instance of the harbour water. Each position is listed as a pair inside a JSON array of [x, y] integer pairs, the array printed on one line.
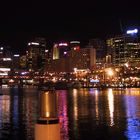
[[84, 114]]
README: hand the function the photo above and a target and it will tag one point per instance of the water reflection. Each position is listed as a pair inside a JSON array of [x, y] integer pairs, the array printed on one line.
[[133, 114], [4, 115], [111, 106], [85, 114], [93, 114], [17, 114], [62, 112]]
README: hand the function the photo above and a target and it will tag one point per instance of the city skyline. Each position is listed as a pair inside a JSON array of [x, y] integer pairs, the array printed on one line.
[[74, 20]]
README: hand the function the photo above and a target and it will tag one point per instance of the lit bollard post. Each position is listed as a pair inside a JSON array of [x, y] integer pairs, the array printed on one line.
[[47, 126]]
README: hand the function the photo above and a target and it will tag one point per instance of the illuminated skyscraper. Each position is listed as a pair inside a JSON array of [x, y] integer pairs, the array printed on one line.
[[16, 61], [124, 48], [5, 56], [60, 50], [55, 51], [36, 54], [101, 50], [75, 45], [85, 58]]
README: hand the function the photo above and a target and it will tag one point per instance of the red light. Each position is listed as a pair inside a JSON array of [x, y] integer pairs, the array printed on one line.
[[76, 48]]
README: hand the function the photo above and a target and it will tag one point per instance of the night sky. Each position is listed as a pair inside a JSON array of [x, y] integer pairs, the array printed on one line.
[[64, 20]]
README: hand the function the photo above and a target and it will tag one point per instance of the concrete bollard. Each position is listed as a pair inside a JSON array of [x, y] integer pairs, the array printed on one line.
[[47, 126]]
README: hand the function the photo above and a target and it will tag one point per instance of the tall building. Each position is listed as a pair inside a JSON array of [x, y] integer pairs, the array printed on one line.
[[23, 62], [36, 54], [85, 58], [16, 62], [5, 56], [124, 48], [101, 50], [49, 57], [60, 50], [75, 45], [55, 51]]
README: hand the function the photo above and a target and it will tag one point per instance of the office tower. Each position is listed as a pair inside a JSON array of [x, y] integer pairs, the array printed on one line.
[[49, 57], [101, 50], [16, 62], [60, 50], [75, 45], [55, 51], [36, 54], [124, 48], [23, 62], [85, 58], [5, 56]]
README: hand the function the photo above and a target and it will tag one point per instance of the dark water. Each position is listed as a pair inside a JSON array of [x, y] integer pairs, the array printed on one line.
[[84, 114]]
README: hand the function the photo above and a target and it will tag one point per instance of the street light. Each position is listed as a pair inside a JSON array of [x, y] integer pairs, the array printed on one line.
[[110, 72]]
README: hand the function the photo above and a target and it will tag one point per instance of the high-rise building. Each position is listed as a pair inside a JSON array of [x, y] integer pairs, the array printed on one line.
[[75, 45], [55, 51], [36, 54], [23, 62], [16, 62], [101, 50], [124, 48], [5, 56], [60, 50], [85, 58]]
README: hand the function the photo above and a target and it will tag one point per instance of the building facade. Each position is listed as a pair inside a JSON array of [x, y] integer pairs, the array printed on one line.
[[101, 51], [124, 48], [36, 56], [84, 58]]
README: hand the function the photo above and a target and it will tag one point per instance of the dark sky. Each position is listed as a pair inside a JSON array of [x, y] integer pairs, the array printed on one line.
[[60, 20]]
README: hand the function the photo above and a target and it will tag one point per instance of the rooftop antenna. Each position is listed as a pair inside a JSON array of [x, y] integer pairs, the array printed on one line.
[[121, 27]]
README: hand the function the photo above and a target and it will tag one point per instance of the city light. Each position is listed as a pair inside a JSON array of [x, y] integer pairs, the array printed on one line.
[[16, 55], [33, 43], [132, 31], [1, 48], [7, 59], [110, 72], [75, 42], [65, 52], [63, 44], [5, 69]]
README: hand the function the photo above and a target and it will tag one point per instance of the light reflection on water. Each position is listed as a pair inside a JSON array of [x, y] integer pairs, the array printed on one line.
[[84, 114], [133, 114], [101, 114], [111, 106], [18, 110]]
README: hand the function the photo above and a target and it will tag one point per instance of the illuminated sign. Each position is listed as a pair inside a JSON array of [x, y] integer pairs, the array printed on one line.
[[94, 81], [16, 55], [5, 69], [135, 31], [75, 42], [46, 51], [33, 43], [1, 48], [63, 44], [7, 59]]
